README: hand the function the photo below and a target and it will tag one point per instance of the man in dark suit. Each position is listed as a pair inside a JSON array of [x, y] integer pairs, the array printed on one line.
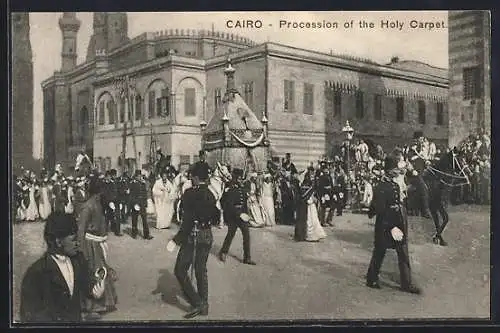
[[391, 227], [200, 167], [419, 163], [195, 240], [138, 205], [235, 210], [325, 194], [54, 285], [110, 194]]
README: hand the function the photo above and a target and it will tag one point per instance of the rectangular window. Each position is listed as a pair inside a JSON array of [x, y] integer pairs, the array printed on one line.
[[400, 109], [151, 103], [217, 99], [472, 82], [440, 113], [190, 102], [421, 112], [111, 112], [289, 96], [185, 159], [130, 109], [162, 107], [360, 107], [122, 110], [308, 98], [138, 108], [101, 113], [377, 107]]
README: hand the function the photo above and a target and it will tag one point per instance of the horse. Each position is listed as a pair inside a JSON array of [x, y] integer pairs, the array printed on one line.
[[217, 185], [449, 171]]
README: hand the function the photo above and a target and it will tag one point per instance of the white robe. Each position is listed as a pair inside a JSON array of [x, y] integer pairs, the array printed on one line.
[[164, 194], [45, 207], [32, 213], [315, 231], [267, 202], [254, 208]]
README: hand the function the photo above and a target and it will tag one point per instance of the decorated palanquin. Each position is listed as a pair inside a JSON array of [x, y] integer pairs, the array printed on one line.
[[235, 136]]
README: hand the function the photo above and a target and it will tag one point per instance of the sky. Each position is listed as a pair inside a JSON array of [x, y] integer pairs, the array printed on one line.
[[423, 43]]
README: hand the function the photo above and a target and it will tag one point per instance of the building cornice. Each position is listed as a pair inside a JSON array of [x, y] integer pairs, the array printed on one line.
[[173, 61], [291, 53]]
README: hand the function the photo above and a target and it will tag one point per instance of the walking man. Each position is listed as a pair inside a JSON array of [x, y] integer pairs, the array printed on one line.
[[195, 240], [391, 227], [235, 210], [138, 205]]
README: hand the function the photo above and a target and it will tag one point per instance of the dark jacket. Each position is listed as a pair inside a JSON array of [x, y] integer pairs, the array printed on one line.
[[234, 202], [45, 296], [199, 205], [389, 212], [138, 193]]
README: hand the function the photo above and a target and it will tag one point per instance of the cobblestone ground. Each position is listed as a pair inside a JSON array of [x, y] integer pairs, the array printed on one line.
[[300, 280]]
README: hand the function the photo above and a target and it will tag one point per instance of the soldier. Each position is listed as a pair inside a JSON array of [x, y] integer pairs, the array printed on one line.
[[123, 197], [111, 202], [235, 210], [391, 227], [201, 166], [138, 205], [325, 192], [195, 240]]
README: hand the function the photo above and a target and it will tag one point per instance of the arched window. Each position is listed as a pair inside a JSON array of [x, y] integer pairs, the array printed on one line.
[[84, 124], [158, 99], [106, 110]]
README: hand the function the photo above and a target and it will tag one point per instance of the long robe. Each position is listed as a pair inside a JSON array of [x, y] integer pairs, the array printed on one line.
[[45, 206], [267, 202], [32, 212], [164, 195], [254, 207]]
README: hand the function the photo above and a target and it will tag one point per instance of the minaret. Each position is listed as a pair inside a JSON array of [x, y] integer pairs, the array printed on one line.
[[69, 25]]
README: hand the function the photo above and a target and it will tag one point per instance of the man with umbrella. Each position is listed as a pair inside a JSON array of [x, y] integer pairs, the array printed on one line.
[[195, 240]]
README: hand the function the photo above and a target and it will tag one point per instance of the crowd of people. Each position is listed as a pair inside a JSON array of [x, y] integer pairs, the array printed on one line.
[[80, 210]]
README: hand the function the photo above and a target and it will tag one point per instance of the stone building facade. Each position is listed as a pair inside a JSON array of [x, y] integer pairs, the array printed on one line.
[[178, 82], [22, 94], [469, 70]]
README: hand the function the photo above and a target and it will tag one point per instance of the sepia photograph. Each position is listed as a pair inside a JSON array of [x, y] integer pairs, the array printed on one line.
[[250, 166]]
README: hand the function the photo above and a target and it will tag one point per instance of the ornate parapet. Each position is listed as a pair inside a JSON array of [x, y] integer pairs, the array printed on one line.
[[191, 33]]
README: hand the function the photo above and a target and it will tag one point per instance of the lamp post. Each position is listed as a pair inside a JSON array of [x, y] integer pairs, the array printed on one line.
[[349, 133]]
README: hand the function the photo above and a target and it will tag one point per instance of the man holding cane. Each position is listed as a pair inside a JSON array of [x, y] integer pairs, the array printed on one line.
[[195, 241], [391, 226]]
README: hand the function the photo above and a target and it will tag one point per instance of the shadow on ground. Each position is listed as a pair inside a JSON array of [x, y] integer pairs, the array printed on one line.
[[169, 289]]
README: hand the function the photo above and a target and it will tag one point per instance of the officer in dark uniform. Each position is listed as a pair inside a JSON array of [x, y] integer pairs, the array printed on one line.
[[419, 165], [339, 191], [138, 204], [123, 188], [235, 210], [200, 167], [325, 193], [112, 205], [391, 227], [195, 240]]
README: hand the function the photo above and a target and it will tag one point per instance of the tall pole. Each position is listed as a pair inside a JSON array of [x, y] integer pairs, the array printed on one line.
[[124, 145]]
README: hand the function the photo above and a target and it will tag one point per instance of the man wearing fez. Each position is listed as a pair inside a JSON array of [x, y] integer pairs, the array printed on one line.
[[391, 226], [92, 237], [235, 210], [195, 240], [419, 163], [54, 285]]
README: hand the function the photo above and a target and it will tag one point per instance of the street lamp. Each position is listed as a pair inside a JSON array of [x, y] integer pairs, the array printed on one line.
[[349, 133]]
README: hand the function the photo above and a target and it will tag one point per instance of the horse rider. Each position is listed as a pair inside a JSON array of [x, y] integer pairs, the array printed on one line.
[[419, 163], [391, 227], [235, 210], [201, 166], [195, 240]]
